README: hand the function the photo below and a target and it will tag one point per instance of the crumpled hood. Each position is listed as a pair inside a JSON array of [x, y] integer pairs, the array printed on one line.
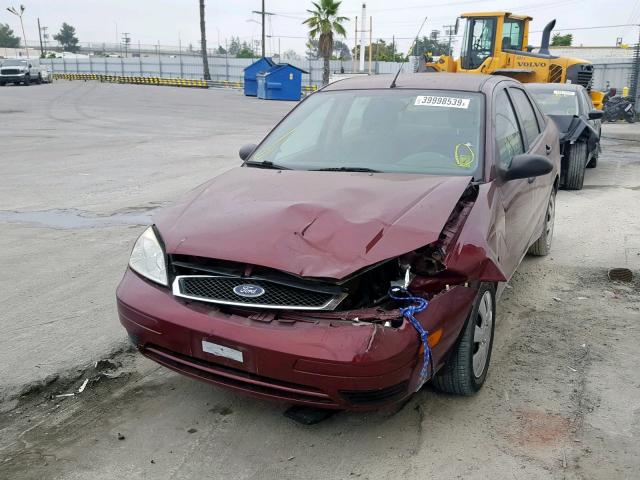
[[312, 224]]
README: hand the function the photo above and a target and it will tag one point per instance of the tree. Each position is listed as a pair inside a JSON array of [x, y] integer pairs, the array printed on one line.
[[67, 38], [290, 55], [382, 51], [313, 52], [341, 50], [561, 40], [245, 51], [432, 45], [323, 23], [203, 43], [234, 46], [7, 38]]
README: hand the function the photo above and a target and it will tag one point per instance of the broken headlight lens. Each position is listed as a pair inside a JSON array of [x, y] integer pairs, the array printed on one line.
[[147, 257]]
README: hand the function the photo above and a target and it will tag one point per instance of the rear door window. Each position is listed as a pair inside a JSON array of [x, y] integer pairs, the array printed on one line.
[[526, 114]]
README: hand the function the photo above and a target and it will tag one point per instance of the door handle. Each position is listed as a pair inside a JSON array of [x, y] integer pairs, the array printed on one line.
[[548, 149]]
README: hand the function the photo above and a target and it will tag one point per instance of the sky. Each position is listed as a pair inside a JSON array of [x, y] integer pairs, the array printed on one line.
[[172, 21]]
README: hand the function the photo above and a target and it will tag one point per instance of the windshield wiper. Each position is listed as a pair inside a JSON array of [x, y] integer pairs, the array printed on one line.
[[267, 164], [346, 169]]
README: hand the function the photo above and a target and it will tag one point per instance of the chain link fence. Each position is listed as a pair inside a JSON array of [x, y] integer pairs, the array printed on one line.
[[222, 68], [615, 73]]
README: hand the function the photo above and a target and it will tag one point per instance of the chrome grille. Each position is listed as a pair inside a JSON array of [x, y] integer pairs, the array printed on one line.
[[10, 71], [220, 289]]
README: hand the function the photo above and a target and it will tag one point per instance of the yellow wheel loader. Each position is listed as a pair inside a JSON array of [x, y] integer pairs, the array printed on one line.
[[495, 43]]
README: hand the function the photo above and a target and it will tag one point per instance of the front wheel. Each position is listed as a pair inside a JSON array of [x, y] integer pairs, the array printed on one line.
[[39, 80], [27, 81], [576, 163], [466, 370]]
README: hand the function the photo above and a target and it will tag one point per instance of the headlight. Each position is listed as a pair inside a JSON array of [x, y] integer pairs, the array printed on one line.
[[147, 258]]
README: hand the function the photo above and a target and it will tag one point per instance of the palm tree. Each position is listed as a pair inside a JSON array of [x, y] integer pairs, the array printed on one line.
[[323, 23], [203, 41]]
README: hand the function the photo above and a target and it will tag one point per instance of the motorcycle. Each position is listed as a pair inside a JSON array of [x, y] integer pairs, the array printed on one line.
[[619, 108]]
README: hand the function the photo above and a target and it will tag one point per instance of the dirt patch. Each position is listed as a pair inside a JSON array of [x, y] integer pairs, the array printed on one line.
[[539, 429]]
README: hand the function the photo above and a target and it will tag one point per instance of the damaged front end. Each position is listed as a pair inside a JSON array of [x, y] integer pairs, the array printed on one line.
[[445, 274]]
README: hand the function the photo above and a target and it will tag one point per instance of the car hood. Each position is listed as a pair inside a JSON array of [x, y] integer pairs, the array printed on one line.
[[312, 224]]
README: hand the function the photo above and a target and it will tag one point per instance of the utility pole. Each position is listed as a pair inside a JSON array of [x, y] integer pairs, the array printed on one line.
[[126, 40], [450, 31], [262, 14], [363, 29], [355, 47], [370, 41], [393, 49], [40, 35]]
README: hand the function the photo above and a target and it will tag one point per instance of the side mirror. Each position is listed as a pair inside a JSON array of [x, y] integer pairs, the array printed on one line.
[[527, 166], [596, 114], [247, 150], [30, 66]]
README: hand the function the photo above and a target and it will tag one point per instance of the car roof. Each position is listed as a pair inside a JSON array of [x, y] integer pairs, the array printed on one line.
[[431, 81], [574, 87]]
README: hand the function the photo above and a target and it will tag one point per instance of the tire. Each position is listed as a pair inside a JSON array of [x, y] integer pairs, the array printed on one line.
[[1, 84], [39, 79], [465, 371], [630, 117], [542, 246], [577, 162], [27, 81]]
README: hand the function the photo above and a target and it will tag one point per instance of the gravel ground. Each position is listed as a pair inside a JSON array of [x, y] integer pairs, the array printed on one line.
[[562, 399]]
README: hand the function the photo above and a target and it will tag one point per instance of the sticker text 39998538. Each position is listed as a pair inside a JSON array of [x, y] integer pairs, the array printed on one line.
[[437, 101]]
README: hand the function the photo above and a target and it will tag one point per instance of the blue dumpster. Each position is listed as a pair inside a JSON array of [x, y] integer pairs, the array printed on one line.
[[250, 84], [280, 82]]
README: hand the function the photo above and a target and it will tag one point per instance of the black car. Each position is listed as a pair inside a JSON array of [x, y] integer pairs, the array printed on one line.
[[570, 107]]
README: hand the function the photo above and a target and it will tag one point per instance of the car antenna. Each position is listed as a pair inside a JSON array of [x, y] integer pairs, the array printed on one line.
[[393, 84]]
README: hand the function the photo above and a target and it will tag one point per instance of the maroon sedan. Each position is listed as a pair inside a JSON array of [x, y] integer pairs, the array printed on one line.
[[358, 251]]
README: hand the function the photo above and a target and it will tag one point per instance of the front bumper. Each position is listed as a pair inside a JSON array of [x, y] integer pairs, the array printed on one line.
[[12, 78], [327, 364]]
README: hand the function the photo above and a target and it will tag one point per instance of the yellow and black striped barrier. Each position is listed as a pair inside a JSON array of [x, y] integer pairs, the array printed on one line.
[[171, 82]]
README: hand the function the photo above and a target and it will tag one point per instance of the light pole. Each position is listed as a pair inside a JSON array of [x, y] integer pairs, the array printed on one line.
[[19, 15]]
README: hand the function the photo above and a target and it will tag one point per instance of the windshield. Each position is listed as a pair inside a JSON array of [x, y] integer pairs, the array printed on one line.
[[557, 102], [13, 63], [405, 131]]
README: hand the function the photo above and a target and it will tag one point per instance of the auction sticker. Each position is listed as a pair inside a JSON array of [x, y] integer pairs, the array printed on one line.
[[437, 101], [564, 92]]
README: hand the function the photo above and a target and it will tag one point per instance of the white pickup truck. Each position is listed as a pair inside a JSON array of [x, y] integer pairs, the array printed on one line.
[[20, 70]]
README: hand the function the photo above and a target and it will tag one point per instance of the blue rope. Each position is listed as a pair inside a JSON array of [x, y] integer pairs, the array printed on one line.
[[418, 304]]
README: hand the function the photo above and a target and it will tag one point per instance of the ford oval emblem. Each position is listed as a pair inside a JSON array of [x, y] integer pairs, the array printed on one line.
[[248, 290]]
